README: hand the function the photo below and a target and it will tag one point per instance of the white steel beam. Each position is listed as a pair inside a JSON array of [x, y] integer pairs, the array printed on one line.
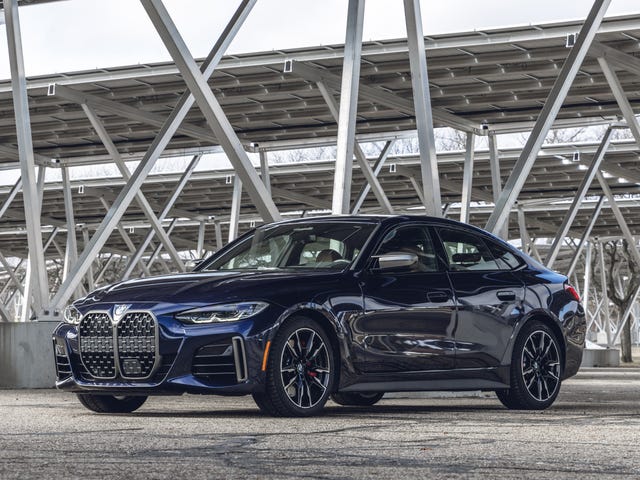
[[126, 111], [10, 196], [467, 178], [236, 199], [219, 239], [377, 168], [605, 295], [422, 105], [38, 276], [622, 60], [547, 116], [71, 251], [383, 97], [264, 169], [348, 107], [621, 99], [126, 174], [584, 240], [150, 157], [578, 198], [626, 232], [370, 177], [170, 202], [304, 199], [211, 109]]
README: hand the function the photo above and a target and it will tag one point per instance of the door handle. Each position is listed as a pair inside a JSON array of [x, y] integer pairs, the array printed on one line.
[[506, 295], [438, 297]]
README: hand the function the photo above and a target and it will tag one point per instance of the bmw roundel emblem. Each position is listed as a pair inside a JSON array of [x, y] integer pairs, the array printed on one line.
[[119, 310]]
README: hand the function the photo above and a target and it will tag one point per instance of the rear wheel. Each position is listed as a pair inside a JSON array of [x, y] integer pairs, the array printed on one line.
[[536, 369], [300, 370], [360, 399], [111, 403]]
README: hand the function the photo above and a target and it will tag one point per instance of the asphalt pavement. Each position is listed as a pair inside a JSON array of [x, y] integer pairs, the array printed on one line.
[[592, 431]]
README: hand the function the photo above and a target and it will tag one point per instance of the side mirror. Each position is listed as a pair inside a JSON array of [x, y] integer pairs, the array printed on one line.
[[192, 264], [397, 261]]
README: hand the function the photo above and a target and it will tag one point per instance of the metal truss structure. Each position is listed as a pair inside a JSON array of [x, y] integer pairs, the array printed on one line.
[[560, 202]]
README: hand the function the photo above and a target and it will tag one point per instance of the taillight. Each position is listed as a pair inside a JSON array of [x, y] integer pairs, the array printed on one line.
[[572, 291]]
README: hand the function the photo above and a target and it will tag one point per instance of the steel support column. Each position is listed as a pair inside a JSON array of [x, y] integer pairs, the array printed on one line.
[[236, 199], [126, 174], [348, 108], [38, 277], [467, 178], [621, 99], [71, 250], [158, 145], [547, 116], [200, 246], [377, 168], [211, 109], [370, 177], [605, 295], [578, 198], [584, 240], [264, 170], [587, 280], [10, 197], [170, 202], [422, 103], [626, 231], [219, 239]]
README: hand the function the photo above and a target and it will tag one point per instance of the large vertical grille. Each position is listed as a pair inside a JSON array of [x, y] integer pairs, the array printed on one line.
[[137, 344], [96, 345]]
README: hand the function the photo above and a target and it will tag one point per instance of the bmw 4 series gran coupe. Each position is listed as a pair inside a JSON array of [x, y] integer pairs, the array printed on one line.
[[297, 312]]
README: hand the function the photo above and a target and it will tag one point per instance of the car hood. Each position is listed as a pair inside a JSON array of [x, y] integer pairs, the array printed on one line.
[[206, 287]]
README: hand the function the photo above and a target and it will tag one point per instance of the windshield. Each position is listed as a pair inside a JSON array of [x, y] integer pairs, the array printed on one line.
[[316, 245]]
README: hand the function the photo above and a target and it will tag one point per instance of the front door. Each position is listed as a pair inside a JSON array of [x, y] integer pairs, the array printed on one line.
[[409, 314]]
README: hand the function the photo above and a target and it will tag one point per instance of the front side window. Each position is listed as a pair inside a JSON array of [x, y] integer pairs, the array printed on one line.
[[315, 245], [466, 251], [411, 239]]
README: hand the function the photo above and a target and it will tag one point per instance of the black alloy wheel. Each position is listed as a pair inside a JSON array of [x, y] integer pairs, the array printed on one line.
[[111, 403], [357, 399], [536, 370], [300, 371]]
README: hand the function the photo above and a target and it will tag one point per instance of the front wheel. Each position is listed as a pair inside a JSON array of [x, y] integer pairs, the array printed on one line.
[[300, 370], [111, 403], [536, 369], [359, 399]]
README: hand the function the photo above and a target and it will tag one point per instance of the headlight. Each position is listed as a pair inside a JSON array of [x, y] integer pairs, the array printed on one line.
[[230, 312], [72, 315]]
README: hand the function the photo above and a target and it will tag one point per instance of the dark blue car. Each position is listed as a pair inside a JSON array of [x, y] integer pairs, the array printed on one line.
[[297, 312]]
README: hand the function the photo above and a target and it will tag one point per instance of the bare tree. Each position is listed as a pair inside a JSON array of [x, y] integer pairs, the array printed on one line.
[[623, 279]]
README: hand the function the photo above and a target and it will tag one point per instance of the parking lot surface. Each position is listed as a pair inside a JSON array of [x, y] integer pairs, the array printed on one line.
[[592, 431]]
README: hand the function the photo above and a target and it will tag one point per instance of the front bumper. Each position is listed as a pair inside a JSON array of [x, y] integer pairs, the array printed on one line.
[[205, 359]]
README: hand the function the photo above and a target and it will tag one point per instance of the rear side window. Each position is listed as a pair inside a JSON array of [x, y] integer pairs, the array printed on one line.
[[466, 251], [504, 258]]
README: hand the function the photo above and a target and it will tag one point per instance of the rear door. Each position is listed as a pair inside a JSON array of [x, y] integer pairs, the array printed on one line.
[[489, 295]]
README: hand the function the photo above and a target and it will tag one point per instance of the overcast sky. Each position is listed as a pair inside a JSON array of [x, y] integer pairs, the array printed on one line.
[[86, 34]]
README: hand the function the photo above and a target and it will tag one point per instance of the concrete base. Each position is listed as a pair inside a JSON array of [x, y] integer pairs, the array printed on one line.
[[600, 357], [26, 355]]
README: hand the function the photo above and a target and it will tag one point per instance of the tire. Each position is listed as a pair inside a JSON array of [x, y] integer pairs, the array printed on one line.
[[536, 369], [110, 403], [300, 370], [353, 399]]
